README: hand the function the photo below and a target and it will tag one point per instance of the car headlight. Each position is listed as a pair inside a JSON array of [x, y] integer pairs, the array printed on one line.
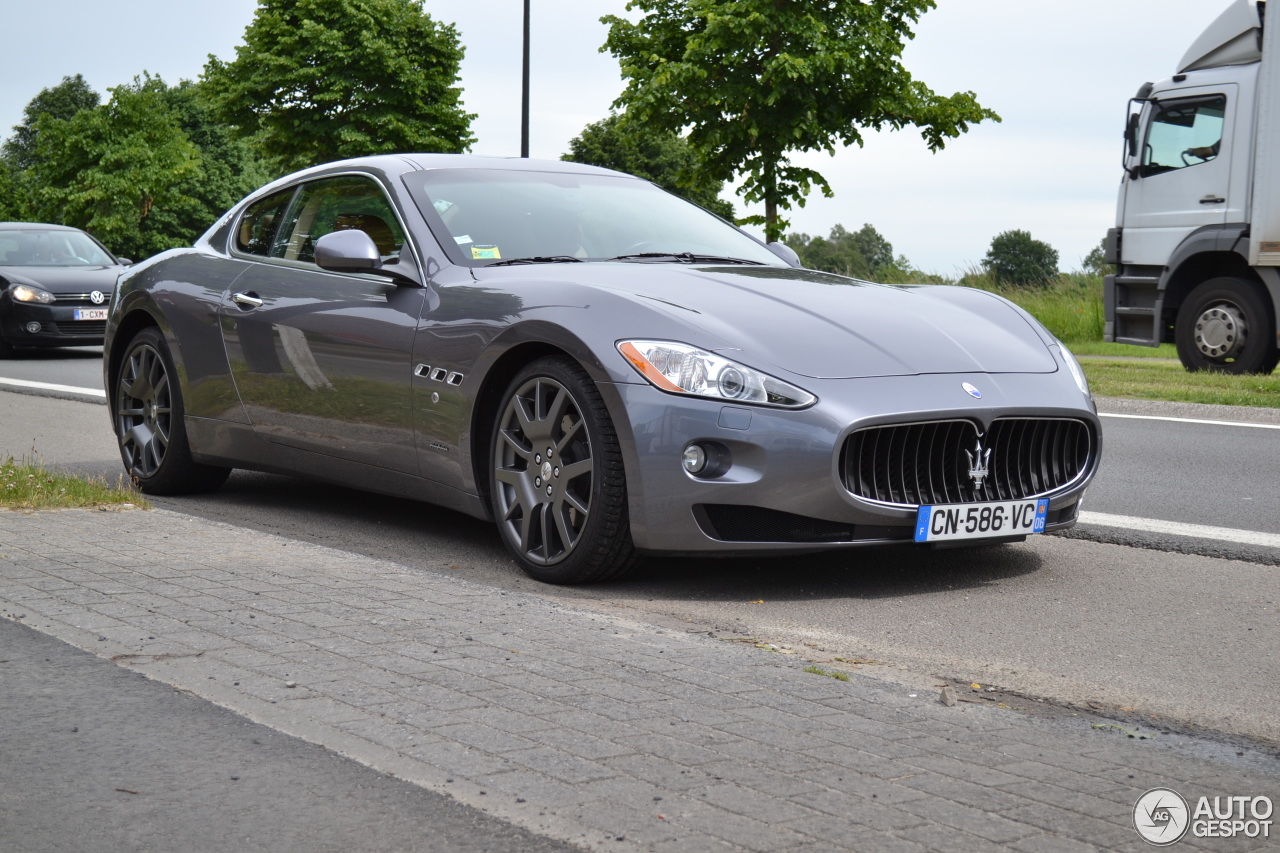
[[1077, 372], [27, 293], [682, 369]]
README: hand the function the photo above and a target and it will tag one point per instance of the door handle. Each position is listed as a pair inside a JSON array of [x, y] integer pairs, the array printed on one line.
[[246, 300], [1212, 199]]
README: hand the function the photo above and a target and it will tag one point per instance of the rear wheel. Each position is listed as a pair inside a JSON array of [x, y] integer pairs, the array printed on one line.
[[148, 415], [556, 477], [1226, 326]]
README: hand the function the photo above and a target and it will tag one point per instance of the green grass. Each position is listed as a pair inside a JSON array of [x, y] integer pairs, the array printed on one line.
[[1158, 380], [817, 670], [30, 485]]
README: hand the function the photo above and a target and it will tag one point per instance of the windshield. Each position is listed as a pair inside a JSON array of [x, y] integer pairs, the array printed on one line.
[[487, 216], [33, 248]]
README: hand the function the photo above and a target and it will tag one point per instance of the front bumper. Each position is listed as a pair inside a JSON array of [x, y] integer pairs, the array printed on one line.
[[58, 326], [782, 489]]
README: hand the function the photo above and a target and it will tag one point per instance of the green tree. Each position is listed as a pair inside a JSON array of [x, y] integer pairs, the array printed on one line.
[[1015, 257], [320, 80], [116, 170], [663, 158], [860, 254], [1095, 262], [755, 80], [62, 101]]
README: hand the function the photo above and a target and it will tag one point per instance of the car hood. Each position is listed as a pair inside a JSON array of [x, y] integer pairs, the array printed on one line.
[[64, 279], [825, 326]]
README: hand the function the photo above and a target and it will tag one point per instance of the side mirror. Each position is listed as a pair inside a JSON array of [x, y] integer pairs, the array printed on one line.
[[347, 251], [124, 262], [353, 251], [785, 252]]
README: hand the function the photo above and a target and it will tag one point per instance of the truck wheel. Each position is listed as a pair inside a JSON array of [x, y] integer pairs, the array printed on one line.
[[1226, 326]]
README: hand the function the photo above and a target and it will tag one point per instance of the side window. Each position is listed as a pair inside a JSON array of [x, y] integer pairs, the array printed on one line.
[[1183, 133], [258, 224], [338, 204]]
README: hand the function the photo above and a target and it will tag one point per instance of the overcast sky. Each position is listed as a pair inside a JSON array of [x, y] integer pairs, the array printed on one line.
[[1059, 74]]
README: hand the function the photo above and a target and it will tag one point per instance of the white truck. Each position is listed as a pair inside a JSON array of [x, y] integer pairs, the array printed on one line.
[[1196, 245]]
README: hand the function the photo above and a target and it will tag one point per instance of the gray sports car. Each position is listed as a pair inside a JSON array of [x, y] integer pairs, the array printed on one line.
[[598, 366]]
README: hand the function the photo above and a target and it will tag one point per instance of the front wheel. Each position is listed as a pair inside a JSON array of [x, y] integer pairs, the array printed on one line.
[[1226, 326], [148, 414], [556, 477]]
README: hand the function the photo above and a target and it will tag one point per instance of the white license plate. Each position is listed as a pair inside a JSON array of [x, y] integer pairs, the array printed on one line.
[[943, 522], [91, 314]]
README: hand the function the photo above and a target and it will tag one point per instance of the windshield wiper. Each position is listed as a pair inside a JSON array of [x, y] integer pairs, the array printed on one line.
[[540, 259], [684, 257]]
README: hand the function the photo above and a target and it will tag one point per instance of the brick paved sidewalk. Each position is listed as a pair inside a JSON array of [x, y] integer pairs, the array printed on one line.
[[597, 730]]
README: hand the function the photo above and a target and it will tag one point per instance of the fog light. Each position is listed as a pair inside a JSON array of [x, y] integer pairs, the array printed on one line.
[[33, 328], [694, 459]]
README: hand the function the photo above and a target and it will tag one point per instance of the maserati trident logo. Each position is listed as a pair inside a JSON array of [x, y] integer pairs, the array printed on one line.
[[978, 459]]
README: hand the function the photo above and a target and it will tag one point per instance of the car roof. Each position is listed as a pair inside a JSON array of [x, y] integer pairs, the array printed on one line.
[[34, 226]]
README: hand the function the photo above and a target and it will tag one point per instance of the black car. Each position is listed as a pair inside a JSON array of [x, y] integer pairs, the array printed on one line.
[[55, 283]]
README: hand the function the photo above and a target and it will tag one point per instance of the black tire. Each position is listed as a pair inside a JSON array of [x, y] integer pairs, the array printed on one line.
[[556, 477], [1227, 326], [147, 413]]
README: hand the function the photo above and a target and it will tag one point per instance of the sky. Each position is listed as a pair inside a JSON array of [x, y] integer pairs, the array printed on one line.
[[1059, 74]]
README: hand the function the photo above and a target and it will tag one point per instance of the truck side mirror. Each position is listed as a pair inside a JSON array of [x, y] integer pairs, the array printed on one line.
[[1131, 134]]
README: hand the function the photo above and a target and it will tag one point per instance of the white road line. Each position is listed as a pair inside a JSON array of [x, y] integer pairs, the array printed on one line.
[[1187, 420], [48, 386], [1174, 528]]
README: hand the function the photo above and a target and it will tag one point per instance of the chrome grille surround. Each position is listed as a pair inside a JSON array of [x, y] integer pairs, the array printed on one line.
[[910, 465]]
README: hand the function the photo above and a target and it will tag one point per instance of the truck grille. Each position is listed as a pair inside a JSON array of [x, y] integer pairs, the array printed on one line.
[[931, 463]]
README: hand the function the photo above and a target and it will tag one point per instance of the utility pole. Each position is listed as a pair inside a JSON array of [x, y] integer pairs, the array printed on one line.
[[524, 104]]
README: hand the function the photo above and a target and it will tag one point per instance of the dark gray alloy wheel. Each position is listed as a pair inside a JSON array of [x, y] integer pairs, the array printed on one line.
[[1225, 325], [148, 419], [558, 487]]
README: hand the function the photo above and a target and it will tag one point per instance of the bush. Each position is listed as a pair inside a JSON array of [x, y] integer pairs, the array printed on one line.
[[1017, 258]]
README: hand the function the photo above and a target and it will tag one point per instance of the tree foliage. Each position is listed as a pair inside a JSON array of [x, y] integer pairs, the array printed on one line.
[[131, 172], [864, 253], [1095, 262], [756, 80], [663, 158], [62, 101], [320, 80], [1015, 257]]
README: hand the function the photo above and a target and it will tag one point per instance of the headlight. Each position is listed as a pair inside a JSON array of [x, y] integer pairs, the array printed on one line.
[[1077, 372], [682, 369], [27, 293]]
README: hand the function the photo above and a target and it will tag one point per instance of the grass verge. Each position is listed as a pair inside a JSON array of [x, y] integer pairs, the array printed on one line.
[[1157, 380], [30, 485]]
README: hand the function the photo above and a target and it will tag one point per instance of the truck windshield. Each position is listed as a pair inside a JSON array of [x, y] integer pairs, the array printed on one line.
[[1182, 133]]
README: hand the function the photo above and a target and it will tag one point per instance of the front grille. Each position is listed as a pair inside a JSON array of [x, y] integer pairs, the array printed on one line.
[[82, 328], [930, 463], [83, 298]]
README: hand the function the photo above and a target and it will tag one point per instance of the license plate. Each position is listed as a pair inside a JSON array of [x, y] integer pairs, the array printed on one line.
[[944, 522], [91, 314]]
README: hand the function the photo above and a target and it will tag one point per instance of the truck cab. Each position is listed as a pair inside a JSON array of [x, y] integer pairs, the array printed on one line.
[[1189, 269]]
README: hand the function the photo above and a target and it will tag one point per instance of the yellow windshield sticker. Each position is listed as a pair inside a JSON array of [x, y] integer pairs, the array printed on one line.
[[485, 253]]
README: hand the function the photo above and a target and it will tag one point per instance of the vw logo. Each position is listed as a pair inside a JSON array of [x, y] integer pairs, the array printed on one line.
[[972, 391], [97, 297]]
